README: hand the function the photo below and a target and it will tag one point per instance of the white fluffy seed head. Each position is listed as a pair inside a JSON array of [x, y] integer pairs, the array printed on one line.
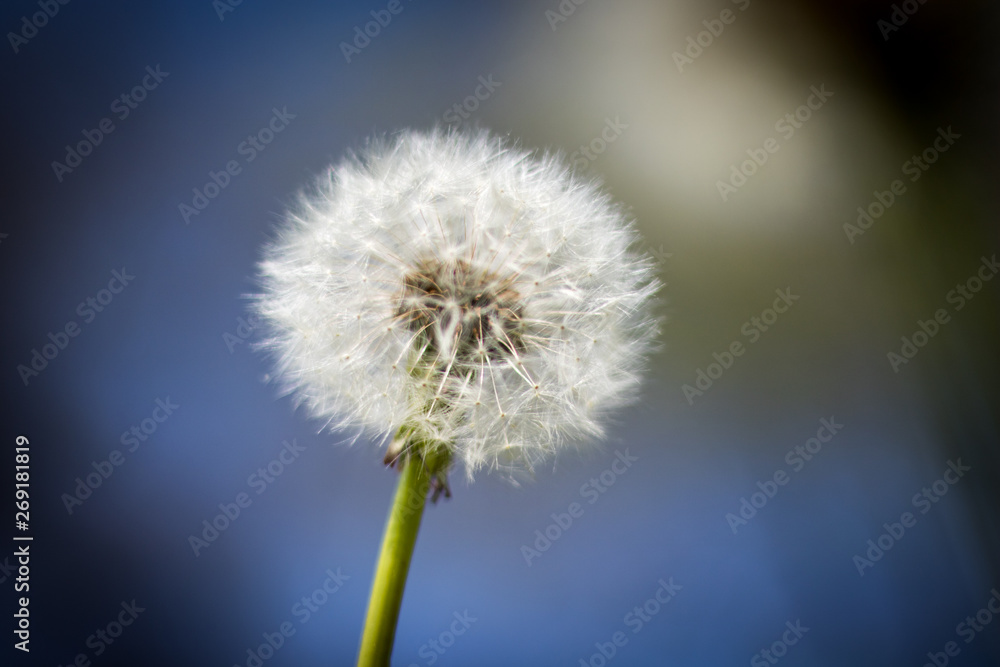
[[477, 294]]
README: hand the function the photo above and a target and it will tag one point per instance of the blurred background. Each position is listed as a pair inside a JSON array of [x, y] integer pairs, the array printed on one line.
[[744, 137]]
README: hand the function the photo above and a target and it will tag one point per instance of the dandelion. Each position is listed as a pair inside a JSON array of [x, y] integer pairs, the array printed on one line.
[[460, 301]]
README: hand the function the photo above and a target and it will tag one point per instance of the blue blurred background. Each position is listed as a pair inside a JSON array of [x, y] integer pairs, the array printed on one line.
[[660, 100]]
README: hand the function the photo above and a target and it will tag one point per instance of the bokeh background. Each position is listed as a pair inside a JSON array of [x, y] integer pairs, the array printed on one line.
[[561, 73]]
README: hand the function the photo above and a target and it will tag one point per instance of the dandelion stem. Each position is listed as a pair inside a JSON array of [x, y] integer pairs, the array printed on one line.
[[394, 559]]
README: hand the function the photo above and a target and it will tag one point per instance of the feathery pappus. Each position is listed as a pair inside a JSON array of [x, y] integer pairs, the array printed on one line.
[[454, 288]]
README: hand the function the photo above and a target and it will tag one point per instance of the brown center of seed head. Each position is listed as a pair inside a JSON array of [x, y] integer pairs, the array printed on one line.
[[461, 313]]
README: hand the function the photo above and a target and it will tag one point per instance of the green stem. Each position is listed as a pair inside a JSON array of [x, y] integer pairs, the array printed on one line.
[[394, 562]]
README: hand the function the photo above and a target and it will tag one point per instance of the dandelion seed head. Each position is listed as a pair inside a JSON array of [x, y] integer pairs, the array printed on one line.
[[480, 295]]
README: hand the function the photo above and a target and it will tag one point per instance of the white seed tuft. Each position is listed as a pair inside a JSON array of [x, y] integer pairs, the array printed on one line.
[[487, 272]]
